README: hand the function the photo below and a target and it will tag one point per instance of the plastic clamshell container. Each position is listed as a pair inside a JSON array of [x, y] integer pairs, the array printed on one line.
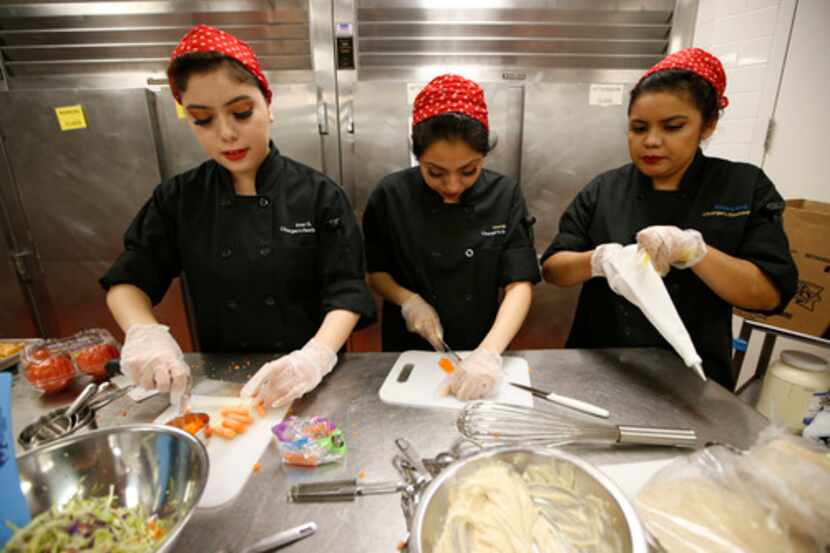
[[51, 365]]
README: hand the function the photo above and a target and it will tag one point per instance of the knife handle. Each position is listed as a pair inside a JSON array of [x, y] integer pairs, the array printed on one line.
[[581, 406]]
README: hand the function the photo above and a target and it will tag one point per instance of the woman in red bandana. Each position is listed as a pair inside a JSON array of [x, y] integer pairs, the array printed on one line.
[[712, 227], [269, 247], [443, 239]]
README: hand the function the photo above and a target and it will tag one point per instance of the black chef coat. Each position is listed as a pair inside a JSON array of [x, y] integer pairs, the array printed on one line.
[[734, 206], [455, 256], [262, 270]]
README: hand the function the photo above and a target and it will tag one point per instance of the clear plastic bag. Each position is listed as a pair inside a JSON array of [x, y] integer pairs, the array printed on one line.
[[309, 441], [773, 498], [51, 365]]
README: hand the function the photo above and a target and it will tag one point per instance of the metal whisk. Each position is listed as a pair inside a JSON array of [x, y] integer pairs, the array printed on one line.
[[494, 423]]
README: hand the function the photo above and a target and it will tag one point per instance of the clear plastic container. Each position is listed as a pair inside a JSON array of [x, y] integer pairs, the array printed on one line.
[[51, 365]]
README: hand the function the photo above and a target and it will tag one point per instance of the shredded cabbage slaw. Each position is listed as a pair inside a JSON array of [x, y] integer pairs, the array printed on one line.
[[94, 525]]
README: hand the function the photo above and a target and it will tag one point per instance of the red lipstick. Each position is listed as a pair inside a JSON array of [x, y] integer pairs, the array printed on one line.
[[651, 160], [235, 155]]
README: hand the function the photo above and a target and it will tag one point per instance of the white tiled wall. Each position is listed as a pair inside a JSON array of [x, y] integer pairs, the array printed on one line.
[[749, 37]]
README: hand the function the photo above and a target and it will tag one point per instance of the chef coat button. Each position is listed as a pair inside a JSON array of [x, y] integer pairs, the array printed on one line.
[[270, 301], [468, 297], [469, 252], [264, 202], [225, 202], [264, 250], [280, 345], [434, 297], [231, 304], [226, 253], [627, 331], [244, 345]]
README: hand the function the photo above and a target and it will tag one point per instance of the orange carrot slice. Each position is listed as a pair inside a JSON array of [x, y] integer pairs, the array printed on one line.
[[237, 417], [257, 467], [238, 410], [208, 432], [260, 409], [226, 433], [237, 427], [446, 365]]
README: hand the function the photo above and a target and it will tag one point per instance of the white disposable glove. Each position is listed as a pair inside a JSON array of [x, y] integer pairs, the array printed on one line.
[[478, 375], [152, 359], [285, 379], [422, 318], [669, 246], [600, 265]]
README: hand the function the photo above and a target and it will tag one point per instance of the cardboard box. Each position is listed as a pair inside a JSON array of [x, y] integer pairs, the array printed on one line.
[[807, 224]]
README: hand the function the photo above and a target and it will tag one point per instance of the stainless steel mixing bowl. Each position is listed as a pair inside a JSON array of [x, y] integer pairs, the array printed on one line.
[[162, 468], [621, 527]]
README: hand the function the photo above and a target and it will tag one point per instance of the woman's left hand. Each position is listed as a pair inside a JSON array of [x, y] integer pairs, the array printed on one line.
[[478, 375], [669, 246]]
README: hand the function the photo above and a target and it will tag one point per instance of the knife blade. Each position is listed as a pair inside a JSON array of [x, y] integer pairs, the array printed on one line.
[[449, 350], [565, 401]]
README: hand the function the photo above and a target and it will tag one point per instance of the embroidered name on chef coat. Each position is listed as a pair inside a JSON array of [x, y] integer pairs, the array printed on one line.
[[720, 210], [494, 230], [303, 227]]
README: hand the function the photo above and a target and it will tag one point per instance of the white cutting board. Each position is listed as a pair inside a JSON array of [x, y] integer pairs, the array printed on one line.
[[423, 385], [231, 461]]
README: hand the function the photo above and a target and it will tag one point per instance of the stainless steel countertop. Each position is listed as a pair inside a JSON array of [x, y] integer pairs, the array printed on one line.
[[638, 386]]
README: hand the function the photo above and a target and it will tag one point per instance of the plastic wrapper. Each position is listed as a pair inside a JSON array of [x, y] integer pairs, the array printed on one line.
[[51, 365], [309, 441], [771, 499]]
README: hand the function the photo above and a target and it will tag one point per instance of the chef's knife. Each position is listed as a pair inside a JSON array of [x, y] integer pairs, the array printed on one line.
[[581, 406]]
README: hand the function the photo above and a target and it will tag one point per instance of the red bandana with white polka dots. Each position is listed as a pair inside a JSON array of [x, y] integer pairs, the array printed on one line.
[[450, 93], [203, 38], [701, 63]]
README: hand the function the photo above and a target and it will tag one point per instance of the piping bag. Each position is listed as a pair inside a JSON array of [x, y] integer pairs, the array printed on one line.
[[636, 280]]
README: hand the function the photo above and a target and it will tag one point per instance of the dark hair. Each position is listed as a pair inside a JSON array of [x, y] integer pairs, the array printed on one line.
[[451, 126], [698, 89], [183, 67]]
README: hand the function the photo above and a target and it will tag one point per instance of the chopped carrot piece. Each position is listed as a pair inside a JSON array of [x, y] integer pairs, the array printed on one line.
[[260, 409], [299, 459], [257, 467], [208, 432], [361, 475], [226, 433], [446, 365], [244, 419], [237, 427], [238, 410]]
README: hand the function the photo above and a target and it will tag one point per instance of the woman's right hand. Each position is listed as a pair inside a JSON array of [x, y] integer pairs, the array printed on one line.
[[152, 359], [422, 319], [601, 259]]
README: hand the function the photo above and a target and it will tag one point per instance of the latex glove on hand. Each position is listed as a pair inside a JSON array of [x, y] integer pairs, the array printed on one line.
[[479, 375], [283, 380], [601, 259], [669, 246], [152, 359], [422, 319]]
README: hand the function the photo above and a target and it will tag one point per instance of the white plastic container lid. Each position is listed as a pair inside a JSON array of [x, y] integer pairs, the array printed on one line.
[[803, 369]]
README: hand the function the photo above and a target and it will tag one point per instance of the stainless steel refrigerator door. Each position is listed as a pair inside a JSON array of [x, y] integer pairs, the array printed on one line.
[[80, 189]]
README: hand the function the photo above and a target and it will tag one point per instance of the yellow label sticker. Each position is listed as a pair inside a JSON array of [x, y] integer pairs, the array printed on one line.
[[180, 111], [71, 117]]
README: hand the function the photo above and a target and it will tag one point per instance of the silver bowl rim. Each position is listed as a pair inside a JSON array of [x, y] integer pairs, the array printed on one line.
[[639, 543], [201, 450]]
